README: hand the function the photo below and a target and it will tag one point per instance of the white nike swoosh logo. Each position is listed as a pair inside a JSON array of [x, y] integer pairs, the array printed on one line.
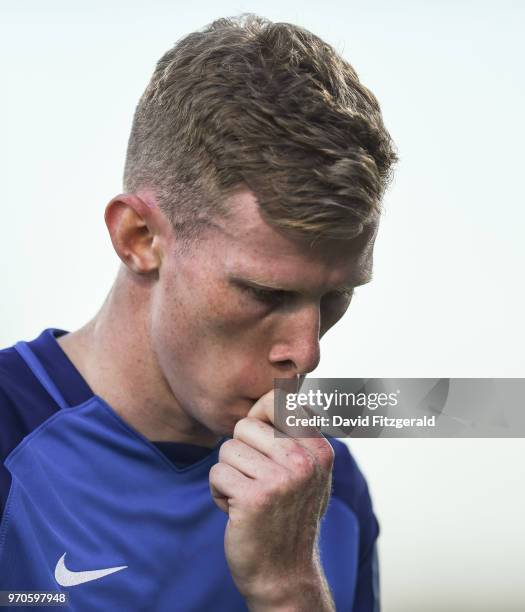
[[67, 578]]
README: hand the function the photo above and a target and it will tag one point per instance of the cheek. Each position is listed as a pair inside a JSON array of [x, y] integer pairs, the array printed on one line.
[[210, 340], [253, 377]]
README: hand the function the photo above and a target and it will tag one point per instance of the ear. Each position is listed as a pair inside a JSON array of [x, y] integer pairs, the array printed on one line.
[[134, 227]]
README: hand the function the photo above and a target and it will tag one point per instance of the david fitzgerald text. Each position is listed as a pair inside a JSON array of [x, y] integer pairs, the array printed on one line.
[[375, 420]]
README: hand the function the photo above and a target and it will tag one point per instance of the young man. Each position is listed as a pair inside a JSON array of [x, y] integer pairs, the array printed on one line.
[[141, 467]]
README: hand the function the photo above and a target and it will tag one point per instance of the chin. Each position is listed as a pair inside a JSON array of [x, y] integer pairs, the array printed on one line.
[[227, 424]]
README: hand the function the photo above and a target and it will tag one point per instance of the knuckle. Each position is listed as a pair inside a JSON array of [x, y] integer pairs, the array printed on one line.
[[214, 472], [227, 448], [280, 482], [302, 462], [326, 455], [239, 427], [242, 425]]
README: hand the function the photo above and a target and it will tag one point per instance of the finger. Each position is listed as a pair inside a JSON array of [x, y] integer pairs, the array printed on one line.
[[225, 484], [264, 410], [246, 459], [310, 437], [260, 436]]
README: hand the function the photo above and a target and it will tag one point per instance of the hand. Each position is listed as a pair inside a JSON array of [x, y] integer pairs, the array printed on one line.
[[275, 491]]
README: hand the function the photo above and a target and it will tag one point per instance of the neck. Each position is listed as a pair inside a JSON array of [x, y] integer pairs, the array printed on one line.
[[113, 353]]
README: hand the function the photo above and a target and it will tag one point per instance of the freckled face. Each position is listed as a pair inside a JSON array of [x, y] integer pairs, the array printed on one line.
[[244, 306]]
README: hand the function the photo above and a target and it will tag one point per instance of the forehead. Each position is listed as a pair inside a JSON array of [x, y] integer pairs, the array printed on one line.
[[247, 244]]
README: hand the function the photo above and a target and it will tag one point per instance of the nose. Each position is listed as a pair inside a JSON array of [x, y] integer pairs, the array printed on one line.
[[297, 350]]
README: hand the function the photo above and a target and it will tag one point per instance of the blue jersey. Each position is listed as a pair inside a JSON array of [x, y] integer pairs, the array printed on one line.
[[93, 508]]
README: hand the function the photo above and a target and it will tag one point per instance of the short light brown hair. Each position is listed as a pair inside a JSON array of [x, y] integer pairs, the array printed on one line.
[[269, 106]]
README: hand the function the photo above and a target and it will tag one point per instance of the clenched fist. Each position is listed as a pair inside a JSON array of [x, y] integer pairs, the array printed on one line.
[[275, 491]]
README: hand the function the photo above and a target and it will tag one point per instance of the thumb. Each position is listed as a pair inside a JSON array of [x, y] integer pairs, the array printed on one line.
[[263, 409]]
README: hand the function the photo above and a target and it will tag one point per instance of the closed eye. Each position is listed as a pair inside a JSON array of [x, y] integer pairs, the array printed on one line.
[[266, 296], [274, 297], [278, 296]]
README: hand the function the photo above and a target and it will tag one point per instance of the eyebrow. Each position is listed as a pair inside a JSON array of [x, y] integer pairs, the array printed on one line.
[[241, 281]]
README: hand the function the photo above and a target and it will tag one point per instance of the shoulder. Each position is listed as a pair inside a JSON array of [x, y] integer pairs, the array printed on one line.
[[12, 379], [24, 404]]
